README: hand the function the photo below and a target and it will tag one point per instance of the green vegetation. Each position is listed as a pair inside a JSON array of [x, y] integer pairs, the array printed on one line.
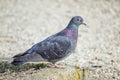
[[4, 67]]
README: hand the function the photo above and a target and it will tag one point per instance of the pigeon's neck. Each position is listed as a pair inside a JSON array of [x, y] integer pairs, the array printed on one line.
[[72, 26], [72, 31]]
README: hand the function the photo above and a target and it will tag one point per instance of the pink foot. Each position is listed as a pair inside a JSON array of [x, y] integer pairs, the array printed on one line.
[[59, 67]]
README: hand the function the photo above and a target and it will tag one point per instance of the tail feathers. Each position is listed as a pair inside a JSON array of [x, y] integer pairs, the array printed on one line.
[[21, 59], [17, 62]]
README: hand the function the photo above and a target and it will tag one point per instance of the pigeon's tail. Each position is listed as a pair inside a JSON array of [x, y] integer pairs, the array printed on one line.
[[19, 59], [22, 58], [17, 62]]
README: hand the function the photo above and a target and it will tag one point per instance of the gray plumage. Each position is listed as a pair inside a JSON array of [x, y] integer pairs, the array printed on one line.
[[53, 48]]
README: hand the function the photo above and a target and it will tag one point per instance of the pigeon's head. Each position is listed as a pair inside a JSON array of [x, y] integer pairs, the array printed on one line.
[[77, 20]]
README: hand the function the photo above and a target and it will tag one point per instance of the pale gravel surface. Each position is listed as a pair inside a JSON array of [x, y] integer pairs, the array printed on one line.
[[24, 23]]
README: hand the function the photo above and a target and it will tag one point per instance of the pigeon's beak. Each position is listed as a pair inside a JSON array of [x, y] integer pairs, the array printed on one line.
[[84, 24]]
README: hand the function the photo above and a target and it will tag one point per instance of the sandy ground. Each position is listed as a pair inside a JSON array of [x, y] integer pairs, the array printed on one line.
[[24, 23]]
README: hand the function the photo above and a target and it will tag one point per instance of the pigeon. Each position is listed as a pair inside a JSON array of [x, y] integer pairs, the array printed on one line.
[[53, 48]]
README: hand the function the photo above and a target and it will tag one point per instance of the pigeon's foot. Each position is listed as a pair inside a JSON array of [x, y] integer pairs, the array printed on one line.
[[59, 66]]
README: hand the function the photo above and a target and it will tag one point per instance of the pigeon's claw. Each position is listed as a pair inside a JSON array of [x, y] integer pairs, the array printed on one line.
[[59, 66]]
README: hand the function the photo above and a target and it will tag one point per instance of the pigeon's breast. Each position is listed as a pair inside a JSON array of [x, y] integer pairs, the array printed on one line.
[[73, 34]]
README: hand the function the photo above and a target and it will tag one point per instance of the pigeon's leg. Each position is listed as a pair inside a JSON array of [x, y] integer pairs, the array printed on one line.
[[59, 66]]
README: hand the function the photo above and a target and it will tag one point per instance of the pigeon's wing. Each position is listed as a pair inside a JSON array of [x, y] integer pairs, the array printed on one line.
[[54, 48]]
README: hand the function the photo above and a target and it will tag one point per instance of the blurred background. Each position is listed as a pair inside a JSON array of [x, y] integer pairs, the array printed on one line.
[[24, 23]]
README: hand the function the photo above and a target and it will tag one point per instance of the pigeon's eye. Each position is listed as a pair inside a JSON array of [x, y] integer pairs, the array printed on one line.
[[78, 19]]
